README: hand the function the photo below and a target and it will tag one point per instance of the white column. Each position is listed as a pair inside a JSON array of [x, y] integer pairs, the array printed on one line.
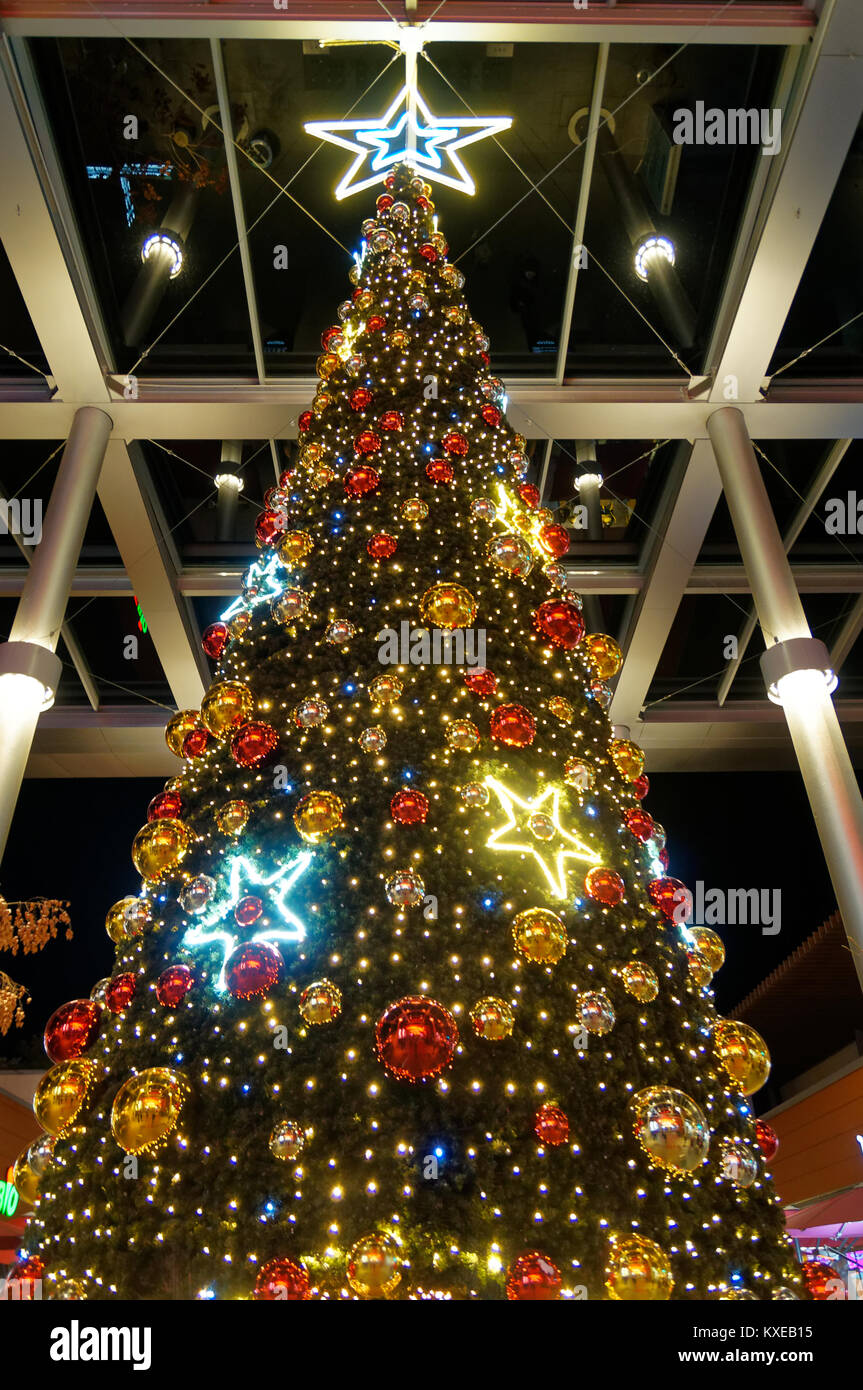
[[29, 670], [812, 721]]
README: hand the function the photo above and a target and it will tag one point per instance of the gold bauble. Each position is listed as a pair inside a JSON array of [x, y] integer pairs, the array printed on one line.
[[448, 606], [287, 1140], [671, 1128], [159, 847], [699, 971], [743, 1053], [578, 775], [709, 946], [492, 1018], [540, 935], [605, 655], [374, 1266], [561, 709], [627, 757], [31, 1166], [638, 1269], [238, 624], [147, 1107], [232, 817], [414, 509], [115, 921], [640, 981], [295, 546], [226, 704], [321, 1002], [385, 690], [61, 1093], [178, 726], [318, 815]]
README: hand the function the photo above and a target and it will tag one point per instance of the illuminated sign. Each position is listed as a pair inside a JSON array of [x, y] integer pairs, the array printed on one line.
[[8, 1195]]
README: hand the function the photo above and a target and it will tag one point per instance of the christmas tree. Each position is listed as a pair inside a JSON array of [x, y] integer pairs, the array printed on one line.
[[406, 1006]]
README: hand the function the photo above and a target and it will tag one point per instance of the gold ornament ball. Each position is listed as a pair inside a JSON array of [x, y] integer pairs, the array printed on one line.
[[462, 735], [159, 847], [578, 775], [294, 547], [541, 826], [604, 653], [540, 936], [178, 726], [628, 758], [318, 815], [414, 509], [238, 624], [492, 1018], [374, 1266], [709, 946], [287, 1140], [671, 1128], [743, 1053], [147, 1108], [321, 1002], [448, 606], [61, 1094], [31, 1166], [115, 921], [233, 817], [225, 705], [699, 971], [561, 709], [640, 981], [474, 794], [385, 690], [638, 1270], [137, 917]]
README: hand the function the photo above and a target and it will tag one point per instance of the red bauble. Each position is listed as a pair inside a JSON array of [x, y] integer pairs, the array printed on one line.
[[416, 1038], [173, 985], [304, 423], [662, 856], [428, 252], [439, 471], [196, 743], [392, 420], [362, 480], [375, 323], [551, 1125], [215, 639], [72, 1029], [384, 201], [283, 1280], [24, 1278], [559, 621], [555, 540], [409, 808], [823, 1282], [480, 680], [382, 546], [768, 1139], [641, 786], [253, 743], [253, 969], [604, 886], [455, 443], [533, 1276], [330, 333], [360, 398], [288, 476], [484, 357], [248, 910], [671, 897], [367, 442], [165, 806], [423, 202], [640, 823], [269, 526], [512, 725], [491, 414], [529, 495], [120, 991]]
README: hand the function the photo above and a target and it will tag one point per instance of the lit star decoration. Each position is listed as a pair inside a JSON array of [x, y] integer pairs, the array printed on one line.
[[407, 130], [213, 926], [547, 803], [268, 576]]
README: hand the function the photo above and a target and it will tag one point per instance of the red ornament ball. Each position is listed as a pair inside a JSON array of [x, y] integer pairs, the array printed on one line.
[[329, 333], [375, 323], [823, 1282], [367, 442], [423, 202], [416, 1038], [120, 991], [663, 857], [604, 886], [361, 480], [23, 1277], [480, 681], [72, 1029], [248, 910], [671, 897], [284, 1279], [551, 1125], [529, 495], [196, 743], [383, 202], [532, 1277], [253, 743], [513, 725], [173, 985], [360, 398], [215, 639], [165, 806], [455, 443], [768, 1139], [409, 808], [305, 421], [382, 546], [559, 621], [491, 414], [269, 526], [641, 786], [439, 471], [392, 420], [253, 969], [428, 252], [640, 823], [555, 539]]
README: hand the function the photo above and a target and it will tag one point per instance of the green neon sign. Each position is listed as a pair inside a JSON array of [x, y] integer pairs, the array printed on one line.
[[8, 1195]]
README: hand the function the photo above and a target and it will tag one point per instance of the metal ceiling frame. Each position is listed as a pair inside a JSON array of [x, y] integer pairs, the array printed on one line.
[[818, 81]]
